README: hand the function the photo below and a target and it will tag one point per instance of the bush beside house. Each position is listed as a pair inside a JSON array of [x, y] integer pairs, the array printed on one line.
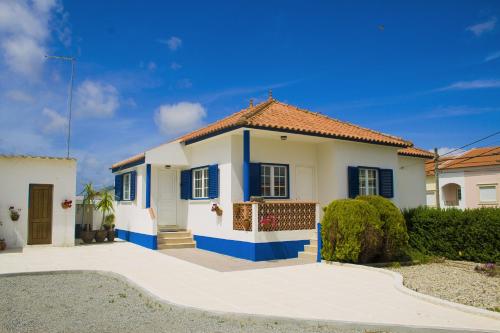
[[471, 234], [351, 231]]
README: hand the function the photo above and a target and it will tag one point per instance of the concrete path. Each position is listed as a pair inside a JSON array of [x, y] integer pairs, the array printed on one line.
[[313, 291]]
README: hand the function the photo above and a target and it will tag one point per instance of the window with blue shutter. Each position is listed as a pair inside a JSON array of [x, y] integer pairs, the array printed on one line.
[[133, 177], [118, 188], [213, 181], [186, 184], [353, 181], [255, 188], [386, 183]]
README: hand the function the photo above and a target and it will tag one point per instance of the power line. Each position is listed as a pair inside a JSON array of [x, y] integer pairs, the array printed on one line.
[[470, 144]]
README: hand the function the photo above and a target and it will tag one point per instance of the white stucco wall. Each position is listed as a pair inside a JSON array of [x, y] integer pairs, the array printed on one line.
[[16, 174], [411, 182], [335, 156]]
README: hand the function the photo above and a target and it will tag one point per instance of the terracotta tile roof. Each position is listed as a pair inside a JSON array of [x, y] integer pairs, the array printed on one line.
[[132, 159], [415, 152], [477, 157], [273, 114]]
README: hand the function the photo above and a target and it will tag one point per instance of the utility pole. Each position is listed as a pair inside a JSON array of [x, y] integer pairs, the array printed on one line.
[[436, 177], [70, 95]]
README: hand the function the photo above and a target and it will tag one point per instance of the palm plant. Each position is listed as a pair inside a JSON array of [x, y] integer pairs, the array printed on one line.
[[105, 206], [89, 195]]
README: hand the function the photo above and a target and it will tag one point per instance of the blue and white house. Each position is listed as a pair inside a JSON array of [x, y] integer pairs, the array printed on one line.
[[252, 185]]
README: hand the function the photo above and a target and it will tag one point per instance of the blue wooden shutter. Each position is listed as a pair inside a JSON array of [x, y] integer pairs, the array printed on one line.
[[213, 181], [386, 183], [353, 181], [186, 184], [133, 187], [255, 189], [118, 187]]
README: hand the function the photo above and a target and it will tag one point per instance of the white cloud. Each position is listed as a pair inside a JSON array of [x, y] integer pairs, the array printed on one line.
[[481, 28], [96, 99], [18, 96], [55, 122], [492, 56], [173, 43], [449, 151], [173, 119], [175, 66], [25, 30], [474, 84]]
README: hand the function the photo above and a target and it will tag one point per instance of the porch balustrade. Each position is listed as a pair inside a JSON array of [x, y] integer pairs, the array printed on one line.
[[275, 216]]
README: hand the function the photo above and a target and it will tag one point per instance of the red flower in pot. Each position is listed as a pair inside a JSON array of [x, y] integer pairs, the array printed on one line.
[[66, 204]]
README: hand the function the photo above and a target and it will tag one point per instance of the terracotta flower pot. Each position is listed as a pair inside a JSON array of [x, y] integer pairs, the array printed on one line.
[[87, 236], [111, 235], [100, 236]]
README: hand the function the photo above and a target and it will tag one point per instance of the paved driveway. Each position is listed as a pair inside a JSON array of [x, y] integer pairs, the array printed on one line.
[[313, 291]]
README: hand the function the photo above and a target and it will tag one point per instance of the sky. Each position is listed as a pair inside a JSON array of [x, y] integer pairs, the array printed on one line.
[[148, 71]]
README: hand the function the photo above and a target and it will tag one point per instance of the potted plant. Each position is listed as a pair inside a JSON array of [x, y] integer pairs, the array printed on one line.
[[217, 209], [14, 213], [109, 226], [89, 195], [106, 207], [66, 204]]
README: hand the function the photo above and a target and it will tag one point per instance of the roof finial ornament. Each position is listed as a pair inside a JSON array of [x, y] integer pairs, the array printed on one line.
[[270, 94], [251, 102]]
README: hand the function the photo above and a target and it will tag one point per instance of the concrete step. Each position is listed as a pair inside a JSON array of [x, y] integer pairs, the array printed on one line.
[[311, 249], [170, 228], [307, 256], [174, 234], [176, 240], [314, 242], [191, 244]]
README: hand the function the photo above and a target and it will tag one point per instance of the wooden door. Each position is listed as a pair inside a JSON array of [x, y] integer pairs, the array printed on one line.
[[40, 214]]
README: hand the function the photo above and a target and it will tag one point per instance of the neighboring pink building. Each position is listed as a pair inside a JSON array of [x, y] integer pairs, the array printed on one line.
[[469, 180]]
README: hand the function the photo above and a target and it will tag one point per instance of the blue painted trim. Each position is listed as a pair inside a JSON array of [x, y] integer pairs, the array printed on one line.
[[148, 241], [148, 185], [129, 165], [251, 251], [320, 243], [246, 165]]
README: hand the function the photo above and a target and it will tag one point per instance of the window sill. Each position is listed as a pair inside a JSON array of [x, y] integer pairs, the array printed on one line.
[[488, 203]]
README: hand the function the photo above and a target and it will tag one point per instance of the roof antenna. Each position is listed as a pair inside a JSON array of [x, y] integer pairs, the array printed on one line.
[[270, 94], [251, 102]]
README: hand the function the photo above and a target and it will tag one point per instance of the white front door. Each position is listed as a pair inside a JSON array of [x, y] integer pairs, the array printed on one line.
[[304, 187], [167, 197]]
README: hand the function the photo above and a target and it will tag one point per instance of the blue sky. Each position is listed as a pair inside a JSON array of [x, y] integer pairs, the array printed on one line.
[[147, 71]]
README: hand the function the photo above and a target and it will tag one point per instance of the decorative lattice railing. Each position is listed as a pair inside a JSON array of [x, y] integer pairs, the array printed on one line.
[[279, 216], [242, 216], [275, 215]]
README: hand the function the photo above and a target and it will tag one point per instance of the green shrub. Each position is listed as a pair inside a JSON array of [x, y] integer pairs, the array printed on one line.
[[351, 231], [395, 238], [471, 234]]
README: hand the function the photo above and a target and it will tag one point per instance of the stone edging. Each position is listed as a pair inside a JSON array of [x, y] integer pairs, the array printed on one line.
[[398, 284]]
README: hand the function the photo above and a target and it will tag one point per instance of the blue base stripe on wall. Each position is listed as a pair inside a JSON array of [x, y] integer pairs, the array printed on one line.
[[145, 240], [251, 251]]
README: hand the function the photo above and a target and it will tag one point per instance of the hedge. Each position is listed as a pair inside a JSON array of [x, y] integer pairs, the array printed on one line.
[[471, 234], [395, 237], [351, 231]]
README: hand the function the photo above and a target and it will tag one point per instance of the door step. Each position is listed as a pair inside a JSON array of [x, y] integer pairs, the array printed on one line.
[[310, 252], [168, 238]]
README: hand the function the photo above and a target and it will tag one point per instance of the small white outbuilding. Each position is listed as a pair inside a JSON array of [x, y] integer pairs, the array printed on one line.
[[41, 191]]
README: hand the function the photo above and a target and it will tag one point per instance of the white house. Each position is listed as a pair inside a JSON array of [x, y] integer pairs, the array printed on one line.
[[36, 188], [295, 160]]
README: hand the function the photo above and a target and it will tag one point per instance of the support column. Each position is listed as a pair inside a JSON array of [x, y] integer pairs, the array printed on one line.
[[246, 165]]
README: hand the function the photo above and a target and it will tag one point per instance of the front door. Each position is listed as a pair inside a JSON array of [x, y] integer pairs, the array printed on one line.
[[305, 183], [40, 214], [167, 197]]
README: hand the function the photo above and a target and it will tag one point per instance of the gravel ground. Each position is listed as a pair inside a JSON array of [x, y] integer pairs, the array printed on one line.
[[454, 281], [92, 302]]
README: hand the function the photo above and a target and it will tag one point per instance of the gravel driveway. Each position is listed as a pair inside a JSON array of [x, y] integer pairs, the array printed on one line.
[[454, 281], [92, 302]]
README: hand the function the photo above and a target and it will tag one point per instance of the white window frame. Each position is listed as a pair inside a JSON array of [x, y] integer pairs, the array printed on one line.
[[363, 188], [272, 186], [127, 181], [200, 174], [494, 186]]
